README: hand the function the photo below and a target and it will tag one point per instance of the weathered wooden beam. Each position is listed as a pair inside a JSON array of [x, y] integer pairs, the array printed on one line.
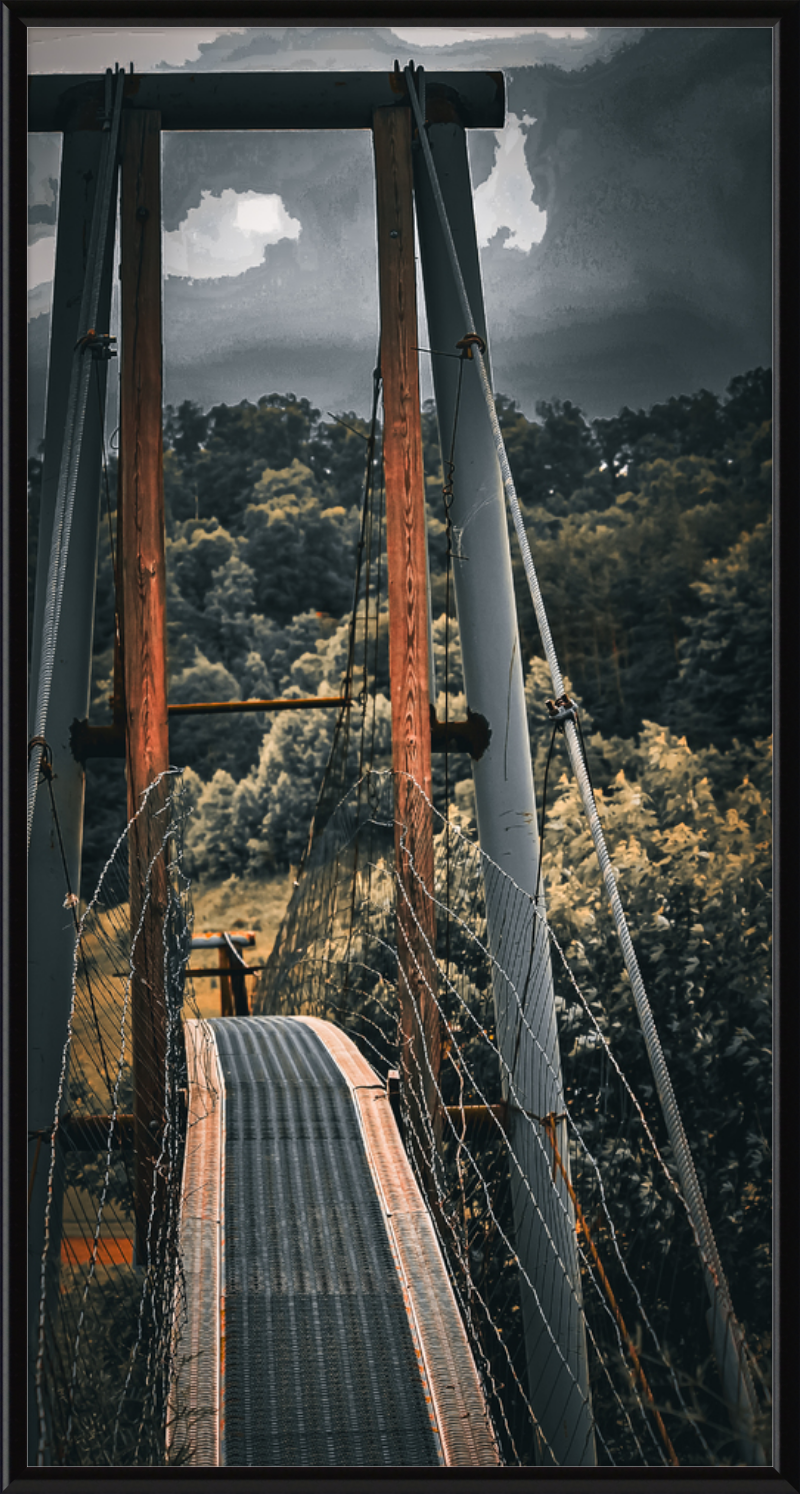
[[225, 989], [220, 707], [88, 740], [263, 101], [213, 971], [406, 547], [142, 571]]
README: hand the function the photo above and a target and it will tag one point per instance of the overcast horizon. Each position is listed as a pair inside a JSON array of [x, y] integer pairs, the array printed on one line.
[[624, 214]]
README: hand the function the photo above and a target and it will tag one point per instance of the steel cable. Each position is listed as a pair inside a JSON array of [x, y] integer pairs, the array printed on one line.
[[325, 968], [745, 1409]]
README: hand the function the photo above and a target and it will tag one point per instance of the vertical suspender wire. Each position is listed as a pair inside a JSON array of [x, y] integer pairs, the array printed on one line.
[[80, 376], [726, 1334]]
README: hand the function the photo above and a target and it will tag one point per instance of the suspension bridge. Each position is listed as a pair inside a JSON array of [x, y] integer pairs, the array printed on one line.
[[360, 1217]]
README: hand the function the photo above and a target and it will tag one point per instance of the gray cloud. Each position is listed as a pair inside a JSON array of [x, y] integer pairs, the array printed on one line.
[[297, 48], [319, 291], [650, 152], [655, 172], [654, 273]]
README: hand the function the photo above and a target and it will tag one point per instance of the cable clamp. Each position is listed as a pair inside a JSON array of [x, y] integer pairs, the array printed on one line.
[[98, 343], [46, 764], [467, 342], [561, 711]]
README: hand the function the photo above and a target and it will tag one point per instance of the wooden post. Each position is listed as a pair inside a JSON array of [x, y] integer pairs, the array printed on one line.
[[143, 625], [225, 991], [232, 989], [406, 545]]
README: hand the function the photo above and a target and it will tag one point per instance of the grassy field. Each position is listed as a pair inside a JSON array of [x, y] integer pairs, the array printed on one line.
[[253, 903]]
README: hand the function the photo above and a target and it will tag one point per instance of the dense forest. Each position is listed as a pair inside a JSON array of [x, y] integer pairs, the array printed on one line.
[[651, 534]]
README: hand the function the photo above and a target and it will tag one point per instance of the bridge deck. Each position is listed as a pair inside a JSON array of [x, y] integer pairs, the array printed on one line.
[[321, 1326]]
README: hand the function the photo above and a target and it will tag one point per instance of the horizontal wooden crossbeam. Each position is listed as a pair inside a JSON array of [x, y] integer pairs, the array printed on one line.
[[214, 970], [305, 703], [87, 740], [263, 101]]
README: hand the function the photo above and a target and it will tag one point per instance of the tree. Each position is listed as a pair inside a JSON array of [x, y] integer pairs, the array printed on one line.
[[185, 430], [748, 401], [549, 458], [689, 834], [301, 550], [207, 742], [724, 688], [337, 456], [260, 823], [238, 442]]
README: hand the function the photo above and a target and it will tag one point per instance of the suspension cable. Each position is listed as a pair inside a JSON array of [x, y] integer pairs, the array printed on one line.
[[716, 1283]]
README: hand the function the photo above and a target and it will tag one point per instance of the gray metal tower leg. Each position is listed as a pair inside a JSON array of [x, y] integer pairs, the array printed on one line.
[[507, 825], [51, 927]]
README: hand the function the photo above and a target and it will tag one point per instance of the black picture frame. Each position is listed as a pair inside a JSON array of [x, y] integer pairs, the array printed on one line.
[[784, 16]]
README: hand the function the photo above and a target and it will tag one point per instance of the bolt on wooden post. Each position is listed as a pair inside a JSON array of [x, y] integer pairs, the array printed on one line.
[[142, 573], [406, 546]]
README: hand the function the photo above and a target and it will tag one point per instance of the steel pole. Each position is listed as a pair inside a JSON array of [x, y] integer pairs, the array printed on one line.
[[50, 959], [507, 825]]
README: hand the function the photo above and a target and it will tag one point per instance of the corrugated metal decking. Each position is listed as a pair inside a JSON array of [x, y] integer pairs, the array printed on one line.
[[336, 1331]]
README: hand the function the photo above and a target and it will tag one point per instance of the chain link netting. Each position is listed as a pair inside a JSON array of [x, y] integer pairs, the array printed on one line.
[[111, 1271]]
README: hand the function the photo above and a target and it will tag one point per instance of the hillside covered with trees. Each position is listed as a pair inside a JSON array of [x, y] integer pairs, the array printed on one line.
[[651, 534]]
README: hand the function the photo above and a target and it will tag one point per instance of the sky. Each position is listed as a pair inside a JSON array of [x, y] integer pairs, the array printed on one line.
[[624, 213]]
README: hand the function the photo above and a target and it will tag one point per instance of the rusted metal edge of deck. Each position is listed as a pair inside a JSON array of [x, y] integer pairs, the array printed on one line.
[[193, 1420]]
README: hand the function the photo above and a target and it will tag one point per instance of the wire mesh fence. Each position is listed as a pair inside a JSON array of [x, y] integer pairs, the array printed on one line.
[[111, 1273], [653, 1391]]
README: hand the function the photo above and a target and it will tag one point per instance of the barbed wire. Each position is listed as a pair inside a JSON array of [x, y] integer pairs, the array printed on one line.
[[109, 1283], [344, 965]]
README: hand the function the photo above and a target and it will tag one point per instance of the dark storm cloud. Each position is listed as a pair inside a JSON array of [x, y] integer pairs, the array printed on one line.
[[650, 152], [655, 172], [654, 168], [310, 307]]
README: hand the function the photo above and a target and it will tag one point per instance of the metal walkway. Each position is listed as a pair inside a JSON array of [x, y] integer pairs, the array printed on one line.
[[320, 1326]]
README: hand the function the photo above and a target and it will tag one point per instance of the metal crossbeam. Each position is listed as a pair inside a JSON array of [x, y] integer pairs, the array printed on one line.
[[263, 101]]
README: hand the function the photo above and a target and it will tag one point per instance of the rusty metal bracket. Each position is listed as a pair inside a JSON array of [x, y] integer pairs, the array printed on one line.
[[561, 711], [472, 1118], [472, 736], [98, 344], [467, 343]]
